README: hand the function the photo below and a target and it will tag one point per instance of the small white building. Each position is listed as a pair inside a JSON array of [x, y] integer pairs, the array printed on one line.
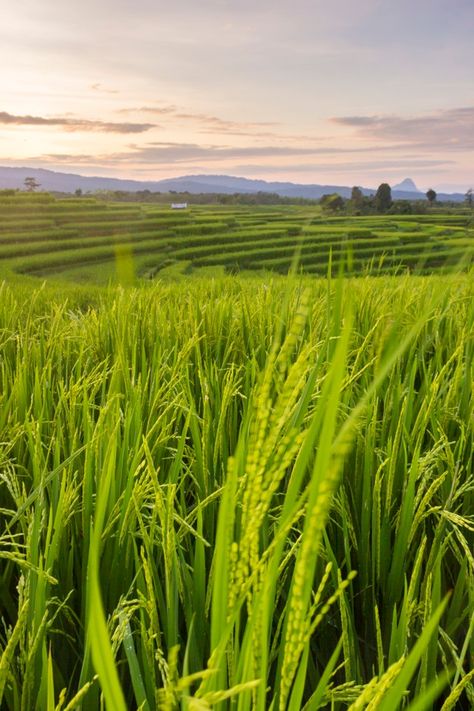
[[179, 205]]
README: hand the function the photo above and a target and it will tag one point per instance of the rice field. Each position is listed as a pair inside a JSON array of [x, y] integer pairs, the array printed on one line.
[[84, 240], [240, 492], [250, 494]]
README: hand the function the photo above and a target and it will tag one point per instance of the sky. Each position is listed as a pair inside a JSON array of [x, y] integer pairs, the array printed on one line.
[[346, 92]]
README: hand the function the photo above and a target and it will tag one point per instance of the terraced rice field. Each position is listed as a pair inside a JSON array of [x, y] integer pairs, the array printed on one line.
[[234, 494], [88, 240]]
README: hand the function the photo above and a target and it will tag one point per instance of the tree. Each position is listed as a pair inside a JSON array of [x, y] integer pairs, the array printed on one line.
[[402, 207], [31, 184], [332, 203], [78, 192], [383, 198], [468, 197], [357, 196], [357, 201], [431, 196]]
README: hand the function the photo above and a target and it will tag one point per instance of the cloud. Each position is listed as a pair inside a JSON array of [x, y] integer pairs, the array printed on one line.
[[359, 166], [448, 129], [103, 89], [187, 156], [175, 153], [73, 124], [355, 120], [208, 123], [182, 153], [69, 158]]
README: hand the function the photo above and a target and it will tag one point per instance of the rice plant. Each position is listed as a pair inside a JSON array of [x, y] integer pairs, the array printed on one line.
[[237, 494], [43, 236]]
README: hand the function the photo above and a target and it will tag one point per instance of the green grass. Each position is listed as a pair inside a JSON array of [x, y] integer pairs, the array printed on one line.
[[65, 238], [243, 494]]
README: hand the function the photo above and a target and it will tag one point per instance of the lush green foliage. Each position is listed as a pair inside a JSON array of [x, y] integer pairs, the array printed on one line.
[[83, 239], [383, 197], [245, 494]]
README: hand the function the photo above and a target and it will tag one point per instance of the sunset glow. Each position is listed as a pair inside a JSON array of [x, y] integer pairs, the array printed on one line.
[[340, 93]]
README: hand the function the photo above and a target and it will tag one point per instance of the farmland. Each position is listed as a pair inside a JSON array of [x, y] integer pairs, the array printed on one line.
[[86, 239], [251, 491]]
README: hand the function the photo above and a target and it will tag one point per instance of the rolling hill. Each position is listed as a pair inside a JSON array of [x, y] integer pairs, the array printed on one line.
[[51, 180]]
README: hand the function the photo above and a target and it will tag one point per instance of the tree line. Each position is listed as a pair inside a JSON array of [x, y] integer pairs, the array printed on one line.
[[358, 204], [382, 203]]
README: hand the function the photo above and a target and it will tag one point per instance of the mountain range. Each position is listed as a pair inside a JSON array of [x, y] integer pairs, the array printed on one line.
[[69, 182]]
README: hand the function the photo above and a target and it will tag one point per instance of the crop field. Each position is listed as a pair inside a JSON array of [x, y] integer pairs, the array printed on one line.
[[89, 240], [245, 494], [225, 487]]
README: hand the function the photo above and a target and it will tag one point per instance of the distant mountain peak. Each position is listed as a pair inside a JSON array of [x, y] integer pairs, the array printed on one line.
[[407, 185]]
